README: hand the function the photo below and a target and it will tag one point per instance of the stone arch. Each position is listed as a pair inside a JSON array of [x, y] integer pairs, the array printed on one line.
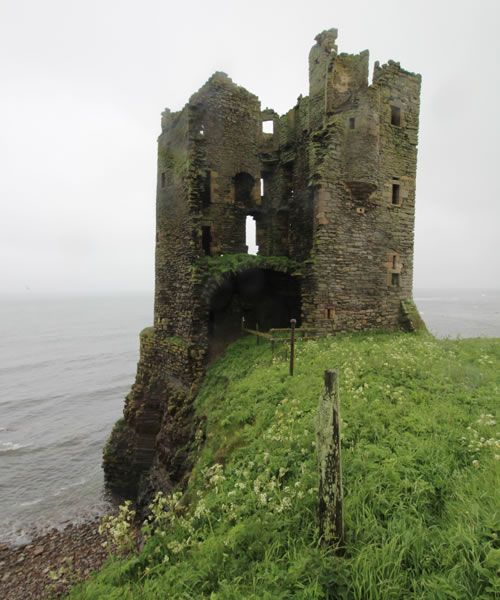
[[265, 297]]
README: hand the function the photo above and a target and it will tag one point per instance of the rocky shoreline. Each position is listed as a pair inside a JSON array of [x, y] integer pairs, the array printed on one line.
[[51, 563]]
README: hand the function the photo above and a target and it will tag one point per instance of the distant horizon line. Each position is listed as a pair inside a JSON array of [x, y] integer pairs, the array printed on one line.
[[143, 292]]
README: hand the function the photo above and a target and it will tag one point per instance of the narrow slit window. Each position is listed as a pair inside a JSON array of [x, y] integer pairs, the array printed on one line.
[[396, 116], [395, 279], [251, 235], [330, 313], [206, 197], [163, 179], [262, 187], [352, 123], [206, 240], [396, 195], [394, 261], [268, 126]]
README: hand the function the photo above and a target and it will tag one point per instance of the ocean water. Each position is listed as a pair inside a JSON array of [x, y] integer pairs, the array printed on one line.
[[66, 365], [458, 313]]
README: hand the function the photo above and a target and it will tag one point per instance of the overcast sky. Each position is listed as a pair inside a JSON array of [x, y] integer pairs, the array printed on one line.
[[83, 83]]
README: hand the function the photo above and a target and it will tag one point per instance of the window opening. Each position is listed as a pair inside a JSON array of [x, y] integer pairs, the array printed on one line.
[[395, 279], [396, 116], [330, 312], [394, 261], [202, 130], [163, 179], [262, 186], [395, 193], [206, 239], [268, 126], [206, 197], [243, 188], [251, 235], [352, 122]]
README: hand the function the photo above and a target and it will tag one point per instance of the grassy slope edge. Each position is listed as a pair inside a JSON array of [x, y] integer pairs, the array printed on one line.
[[421, 479]]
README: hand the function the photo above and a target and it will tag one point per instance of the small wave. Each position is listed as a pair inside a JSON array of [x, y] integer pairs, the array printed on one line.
[[11, 446], [63, 488], [26, 366], [31, 502]]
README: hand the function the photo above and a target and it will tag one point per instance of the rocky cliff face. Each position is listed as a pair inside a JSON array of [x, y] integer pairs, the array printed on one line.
[[150, 446]]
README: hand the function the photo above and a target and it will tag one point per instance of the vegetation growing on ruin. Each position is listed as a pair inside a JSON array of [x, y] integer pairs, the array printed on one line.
[[421, 450], [217, 267], [147, 333]]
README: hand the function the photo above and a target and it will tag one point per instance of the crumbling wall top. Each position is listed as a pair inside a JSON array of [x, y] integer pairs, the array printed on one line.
[[326, 40]]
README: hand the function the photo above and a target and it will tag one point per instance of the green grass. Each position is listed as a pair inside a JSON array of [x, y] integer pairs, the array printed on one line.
[[421, 479]]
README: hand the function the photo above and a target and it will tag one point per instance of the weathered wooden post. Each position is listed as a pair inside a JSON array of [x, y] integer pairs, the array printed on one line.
[[331, 521], [292, 344]]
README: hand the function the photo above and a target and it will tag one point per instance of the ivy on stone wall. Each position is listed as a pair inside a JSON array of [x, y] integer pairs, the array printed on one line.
[[217, 267]]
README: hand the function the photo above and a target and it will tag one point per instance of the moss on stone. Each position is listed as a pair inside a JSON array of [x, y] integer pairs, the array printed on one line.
[[217, 267], [411, 318], [175, 341], [147, 333]]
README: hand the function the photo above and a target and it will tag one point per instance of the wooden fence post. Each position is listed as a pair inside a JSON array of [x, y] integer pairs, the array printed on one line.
[[292, 344], [330, 509]]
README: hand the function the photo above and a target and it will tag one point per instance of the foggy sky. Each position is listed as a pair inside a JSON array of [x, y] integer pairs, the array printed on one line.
[[83, 83]]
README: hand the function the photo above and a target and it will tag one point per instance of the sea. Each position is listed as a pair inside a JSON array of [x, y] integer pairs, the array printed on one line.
[[66, 364]]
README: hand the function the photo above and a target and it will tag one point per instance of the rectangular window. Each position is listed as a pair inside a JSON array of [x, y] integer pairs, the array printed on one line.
[[396, 116], [268, 126], [395, 261], [330, 313], [163, 179], [395, 279], [396, 197], [262, 187], [352, 122], [206, 239]]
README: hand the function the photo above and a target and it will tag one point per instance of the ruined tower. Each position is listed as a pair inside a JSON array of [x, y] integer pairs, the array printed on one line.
[[331, 188]]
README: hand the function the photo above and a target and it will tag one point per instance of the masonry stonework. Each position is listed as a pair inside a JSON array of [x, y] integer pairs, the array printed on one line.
[[331, 186]]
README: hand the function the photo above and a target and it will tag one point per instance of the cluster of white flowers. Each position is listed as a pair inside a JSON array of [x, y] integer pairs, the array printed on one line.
[[284, 427], [484, 359], [479, 438], [214, 476], [486, 419], [118, 530]]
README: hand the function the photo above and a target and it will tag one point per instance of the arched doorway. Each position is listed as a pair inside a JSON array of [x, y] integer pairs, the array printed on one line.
[[264, 297]]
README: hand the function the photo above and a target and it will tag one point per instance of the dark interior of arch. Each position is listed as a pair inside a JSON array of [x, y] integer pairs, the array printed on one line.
[[265, 298]]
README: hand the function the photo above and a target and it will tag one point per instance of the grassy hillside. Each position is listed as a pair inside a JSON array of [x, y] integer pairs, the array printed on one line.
[[421, 452]]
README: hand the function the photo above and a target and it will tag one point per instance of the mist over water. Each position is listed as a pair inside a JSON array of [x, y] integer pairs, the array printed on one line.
[[460, 313], [66, 365]]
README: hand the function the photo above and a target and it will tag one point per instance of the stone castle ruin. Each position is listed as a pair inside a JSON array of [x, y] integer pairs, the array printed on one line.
[[330, 189]]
